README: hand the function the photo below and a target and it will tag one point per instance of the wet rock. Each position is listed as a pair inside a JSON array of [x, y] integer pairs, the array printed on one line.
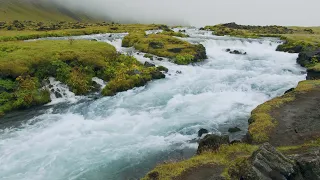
[[162, 68], [235, 52], [313, 75], [182, 31], [202, 131], [306, 57], [289, 90], [110, 35], [147, 64], [201, 29], [158, 75], [201, 52], [94, 40], [160, 59], [212, 142], [57, 94], [178, 72], [95, 87], [234, 130]]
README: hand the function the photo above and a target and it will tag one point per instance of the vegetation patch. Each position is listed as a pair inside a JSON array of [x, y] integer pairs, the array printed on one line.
[[163, 45], [24, 67], [223, 156], [24, 30]]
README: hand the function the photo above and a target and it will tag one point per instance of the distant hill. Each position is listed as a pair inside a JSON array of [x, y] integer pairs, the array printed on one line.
[[35, 10]]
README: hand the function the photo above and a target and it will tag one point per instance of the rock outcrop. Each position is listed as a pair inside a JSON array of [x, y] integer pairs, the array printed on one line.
[[269, 164]]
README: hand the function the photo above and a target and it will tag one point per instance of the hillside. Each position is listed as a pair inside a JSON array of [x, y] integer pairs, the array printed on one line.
[[38, 11]]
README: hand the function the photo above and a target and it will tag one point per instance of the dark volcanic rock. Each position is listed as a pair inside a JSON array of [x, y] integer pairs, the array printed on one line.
[[289, 90], [313, 75], [147, 64], [235, 52], [264, 164], [305, 57], [158, 75], [233, 130], [212, 142], [269, 164], [309, 164], [162, 68], [202, 131]]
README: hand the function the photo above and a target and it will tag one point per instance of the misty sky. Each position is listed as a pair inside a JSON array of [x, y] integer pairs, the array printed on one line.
[[204, 12]]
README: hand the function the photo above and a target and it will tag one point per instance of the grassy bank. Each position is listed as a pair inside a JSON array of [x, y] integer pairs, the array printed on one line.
[[24, 67], [24, 30], [164, 45]]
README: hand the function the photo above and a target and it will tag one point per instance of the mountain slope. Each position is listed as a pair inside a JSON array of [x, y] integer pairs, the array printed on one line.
[[38, 11]]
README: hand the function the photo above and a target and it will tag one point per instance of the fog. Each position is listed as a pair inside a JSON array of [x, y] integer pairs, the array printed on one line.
[[202, 12]]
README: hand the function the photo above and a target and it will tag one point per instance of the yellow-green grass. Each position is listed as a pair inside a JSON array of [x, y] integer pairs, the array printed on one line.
[[165, 46], [298, 148], [26, 10], [261, 121], [6, 35], [222, 157], [73, 62]]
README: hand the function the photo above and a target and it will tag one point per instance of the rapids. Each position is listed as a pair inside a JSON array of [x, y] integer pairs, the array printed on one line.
[[124, 136]]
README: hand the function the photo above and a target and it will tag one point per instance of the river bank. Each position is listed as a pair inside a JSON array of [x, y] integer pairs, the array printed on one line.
[[288, 122]]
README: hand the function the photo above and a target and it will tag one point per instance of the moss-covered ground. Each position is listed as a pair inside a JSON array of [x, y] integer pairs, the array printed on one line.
[[25, 65], [165, 45]]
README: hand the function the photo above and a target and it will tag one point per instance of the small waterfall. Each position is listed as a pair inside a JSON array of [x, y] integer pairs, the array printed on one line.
[[60, 92]]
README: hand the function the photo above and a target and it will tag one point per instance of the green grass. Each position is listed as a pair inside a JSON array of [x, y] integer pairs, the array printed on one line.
[[14, 35], [261, 120], [24, 66], [165, 46], [223, 156]]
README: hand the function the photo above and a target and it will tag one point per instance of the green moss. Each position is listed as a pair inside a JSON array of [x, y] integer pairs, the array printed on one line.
[[223, 156], [148, 56], [75, 64], [165, 46], [262, 123], [184, 59]]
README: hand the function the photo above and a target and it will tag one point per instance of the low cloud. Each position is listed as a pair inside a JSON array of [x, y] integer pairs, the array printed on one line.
[[202, 12]]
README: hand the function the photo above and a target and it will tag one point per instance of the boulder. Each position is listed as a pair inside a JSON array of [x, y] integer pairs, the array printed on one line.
[[235, 52], [162, 68], [202, 131], [147, 64], [265, 164], [157, 75], [309, 164], [212, 142], [234, 130], [305, 57]]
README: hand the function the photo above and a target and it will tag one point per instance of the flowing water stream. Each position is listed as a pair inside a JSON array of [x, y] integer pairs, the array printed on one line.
[[124, 136]]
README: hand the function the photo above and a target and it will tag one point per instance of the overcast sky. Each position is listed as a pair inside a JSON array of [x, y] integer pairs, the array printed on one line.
[[204, 12]]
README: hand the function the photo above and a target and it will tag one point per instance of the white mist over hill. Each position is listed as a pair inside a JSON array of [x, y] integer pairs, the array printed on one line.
[[202, 12]]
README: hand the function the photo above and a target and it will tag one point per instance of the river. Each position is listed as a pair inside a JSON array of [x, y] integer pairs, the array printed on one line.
[[125, 136]]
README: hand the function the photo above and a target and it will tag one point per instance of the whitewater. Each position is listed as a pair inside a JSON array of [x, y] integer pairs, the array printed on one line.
[[125, 136]]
